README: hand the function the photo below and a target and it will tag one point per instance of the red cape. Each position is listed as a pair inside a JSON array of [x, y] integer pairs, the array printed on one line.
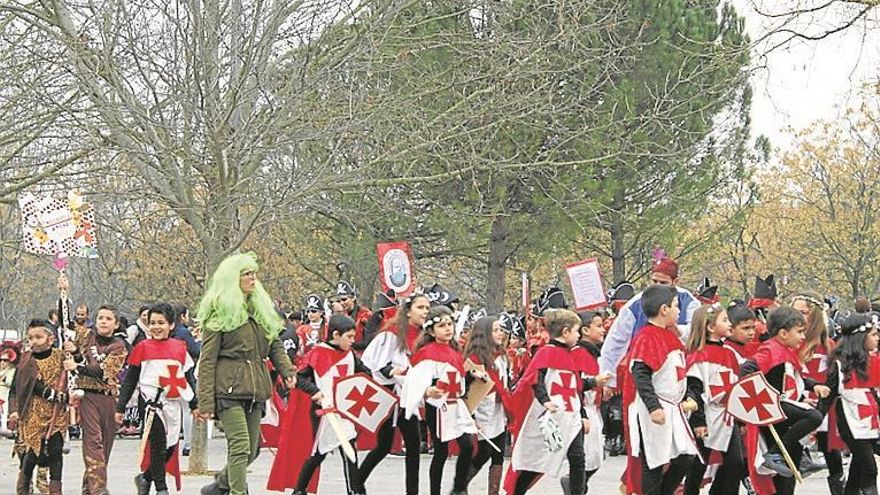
[[442, 353], [549, 356], [322, 357], [747, 351], [772, 353], [294, 447], [297, 435], [714, 354]]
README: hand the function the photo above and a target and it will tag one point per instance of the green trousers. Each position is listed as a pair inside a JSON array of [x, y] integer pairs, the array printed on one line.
[[242, 429]]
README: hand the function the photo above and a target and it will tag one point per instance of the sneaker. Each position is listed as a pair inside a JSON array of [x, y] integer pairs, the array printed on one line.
[[398, 453], [808, 466], [776, 463], [185, 452], [142, 485]]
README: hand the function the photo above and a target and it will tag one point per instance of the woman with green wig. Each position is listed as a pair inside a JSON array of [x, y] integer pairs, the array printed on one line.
[[240, 329]]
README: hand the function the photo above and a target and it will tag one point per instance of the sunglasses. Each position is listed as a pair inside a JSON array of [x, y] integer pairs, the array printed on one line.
[[344, 299]]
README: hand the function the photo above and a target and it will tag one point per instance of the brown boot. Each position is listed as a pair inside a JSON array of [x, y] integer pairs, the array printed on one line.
[[23, 485], [55, 487], [494, 479]]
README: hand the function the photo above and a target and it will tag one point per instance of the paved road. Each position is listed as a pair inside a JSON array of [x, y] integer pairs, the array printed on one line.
[[387, 479]]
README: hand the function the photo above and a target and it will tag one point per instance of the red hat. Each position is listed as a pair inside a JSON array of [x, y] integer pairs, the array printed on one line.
[[666, 266]]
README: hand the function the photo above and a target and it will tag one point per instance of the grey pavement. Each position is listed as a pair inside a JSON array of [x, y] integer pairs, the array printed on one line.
[[387, 479]]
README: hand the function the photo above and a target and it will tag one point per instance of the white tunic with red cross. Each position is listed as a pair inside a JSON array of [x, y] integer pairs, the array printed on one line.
[[859, 406], [326, 438], [673, 438], [717, 369], [453, 419], [529, 452], [164, 364]]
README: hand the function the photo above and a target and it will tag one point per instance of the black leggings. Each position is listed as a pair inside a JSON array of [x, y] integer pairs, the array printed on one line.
[[54, 459], [441, 452], [409, 430], [353, 481], [159, 455], [730, 473], [799, 423], [832, 457], [576, 466], [486, 452], [862, 466]]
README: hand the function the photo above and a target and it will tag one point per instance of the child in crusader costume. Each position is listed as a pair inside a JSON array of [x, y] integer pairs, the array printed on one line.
[[654, 389], [38, 405], [437, 379], [548, 394], [778, 360], [712, 371], [814, 354], [587, 350], [853, 377], [163, 370], [741, 340], [326, 363], [98, 356], [388, 354], [486, 348]]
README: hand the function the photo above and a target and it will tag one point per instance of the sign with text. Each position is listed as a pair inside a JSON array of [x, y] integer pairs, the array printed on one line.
[[586, 284]]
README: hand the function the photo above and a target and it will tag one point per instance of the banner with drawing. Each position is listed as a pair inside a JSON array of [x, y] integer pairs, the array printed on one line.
[[58, 227]]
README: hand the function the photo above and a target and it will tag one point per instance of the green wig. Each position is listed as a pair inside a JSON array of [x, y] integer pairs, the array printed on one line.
[[224, 307]]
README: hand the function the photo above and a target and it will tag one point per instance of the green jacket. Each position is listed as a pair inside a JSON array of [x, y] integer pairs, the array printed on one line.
[[232, 365]]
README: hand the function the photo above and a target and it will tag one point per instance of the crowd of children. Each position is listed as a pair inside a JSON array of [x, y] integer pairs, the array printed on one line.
[[648, 378]]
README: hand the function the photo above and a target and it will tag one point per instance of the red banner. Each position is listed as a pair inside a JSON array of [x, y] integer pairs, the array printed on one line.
[[396, 267]]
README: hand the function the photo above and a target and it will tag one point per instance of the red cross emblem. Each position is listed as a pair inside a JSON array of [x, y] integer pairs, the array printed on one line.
[[450, 386], [868, 411], [565, 388], [727, 380], [757, 401], [361, 399], [173, 382], [342, 370]]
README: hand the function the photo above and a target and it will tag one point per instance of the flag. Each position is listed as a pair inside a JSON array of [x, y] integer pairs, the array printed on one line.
[[396, 267]]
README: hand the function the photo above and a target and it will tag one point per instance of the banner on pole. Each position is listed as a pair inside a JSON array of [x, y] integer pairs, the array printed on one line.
[[586, 284], [57, 227], [396, 267]]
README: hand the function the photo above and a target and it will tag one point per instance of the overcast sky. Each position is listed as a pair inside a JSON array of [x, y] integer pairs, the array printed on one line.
[[807, 81]]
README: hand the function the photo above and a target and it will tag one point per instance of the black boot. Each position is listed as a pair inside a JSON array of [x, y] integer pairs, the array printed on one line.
[[869, 490], [566, 485], [836, 484]]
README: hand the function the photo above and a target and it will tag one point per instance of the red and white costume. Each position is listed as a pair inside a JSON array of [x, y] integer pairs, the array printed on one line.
[[717, 368], [562, 380], [490, 415], [442, 366], [163, 366]]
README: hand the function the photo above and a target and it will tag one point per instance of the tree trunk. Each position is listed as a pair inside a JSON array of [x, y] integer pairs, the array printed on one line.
[[618, 247], [497, 263]]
